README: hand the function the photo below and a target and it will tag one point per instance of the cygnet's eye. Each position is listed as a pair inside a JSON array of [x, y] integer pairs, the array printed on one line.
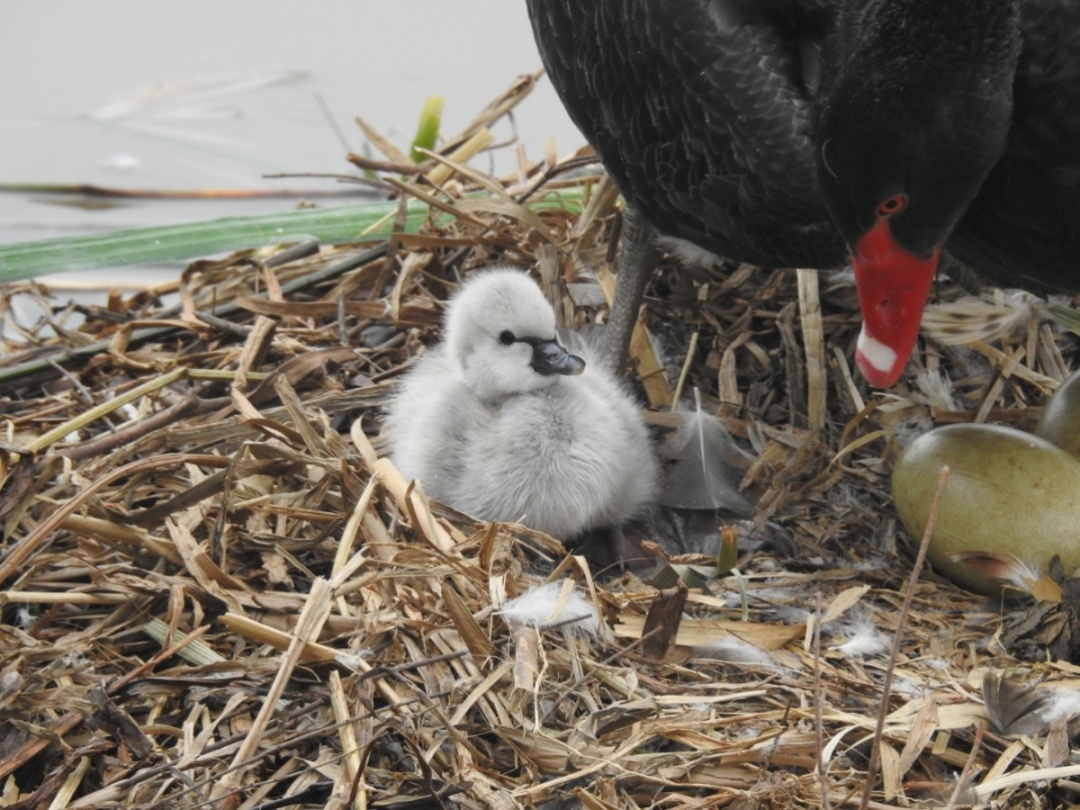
[[507, 337]]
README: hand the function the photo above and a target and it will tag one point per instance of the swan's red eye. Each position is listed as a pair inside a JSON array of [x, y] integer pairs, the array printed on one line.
[[893, 205]]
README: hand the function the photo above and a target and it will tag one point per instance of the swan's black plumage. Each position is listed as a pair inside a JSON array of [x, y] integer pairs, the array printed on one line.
[[650, 86], [1024, 226], [785, 132]]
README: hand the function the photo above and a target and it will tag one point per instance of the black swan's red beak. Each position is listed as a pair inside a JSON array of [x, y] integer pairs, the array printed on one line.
[[893, 285]]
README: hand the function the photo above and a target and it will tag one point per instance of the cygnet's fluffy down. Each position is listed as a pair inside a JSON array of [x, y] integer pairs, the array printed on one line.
[[501, 422]]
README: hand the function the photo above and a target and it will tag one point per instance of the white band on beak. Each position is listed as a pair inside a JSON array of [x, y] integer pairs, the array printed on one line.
[[879, 356]]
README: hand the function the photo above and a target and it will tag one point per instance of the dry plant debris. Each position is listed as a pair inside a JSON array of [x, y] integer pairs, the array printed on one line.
[[217, 594]]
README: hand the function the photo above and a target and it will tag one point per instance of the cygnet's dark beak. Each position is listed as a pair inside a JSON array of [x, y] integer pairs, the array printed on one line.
[[551, 358]]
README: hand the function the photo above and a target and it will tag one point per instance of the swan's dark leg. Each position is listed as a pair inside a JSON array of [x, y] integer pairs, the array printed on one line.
[[624, 544], [614, 548], [637, 260]]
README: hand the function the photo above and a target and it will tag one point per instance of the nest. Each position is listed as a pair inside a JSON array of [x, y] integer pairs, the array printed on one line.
[[218, 594]]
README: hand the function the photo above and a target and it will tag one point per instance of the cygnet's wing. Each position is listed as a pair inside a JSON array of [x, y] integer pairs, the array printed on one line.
[[605, 401], [564, 459], [426, 421], [706, 475]]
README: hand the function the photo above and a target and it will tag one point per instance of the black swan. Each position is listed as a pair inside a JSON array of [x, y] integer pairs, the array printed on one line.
[[805, 132]]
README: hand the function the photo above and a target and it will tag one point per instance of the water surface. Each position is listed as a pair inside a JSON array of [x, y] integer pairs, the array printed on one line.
[[212, 93]]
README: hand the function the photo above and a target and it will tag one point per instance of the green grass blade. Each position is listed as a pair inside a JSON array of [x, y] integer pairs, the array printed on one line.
[[192, 240], [176, 243], [427, 131]]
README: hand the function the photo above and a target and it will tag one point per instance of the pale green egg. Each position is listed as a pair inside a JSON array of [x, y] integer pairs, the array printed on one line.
[[1009, 494], [1060, 422]]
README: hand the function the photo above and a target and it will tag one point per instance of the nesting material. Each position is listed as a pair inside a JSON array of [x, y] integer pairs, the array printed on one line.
[[553, 605], [218, 591], [859, 637], [708, 465]]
